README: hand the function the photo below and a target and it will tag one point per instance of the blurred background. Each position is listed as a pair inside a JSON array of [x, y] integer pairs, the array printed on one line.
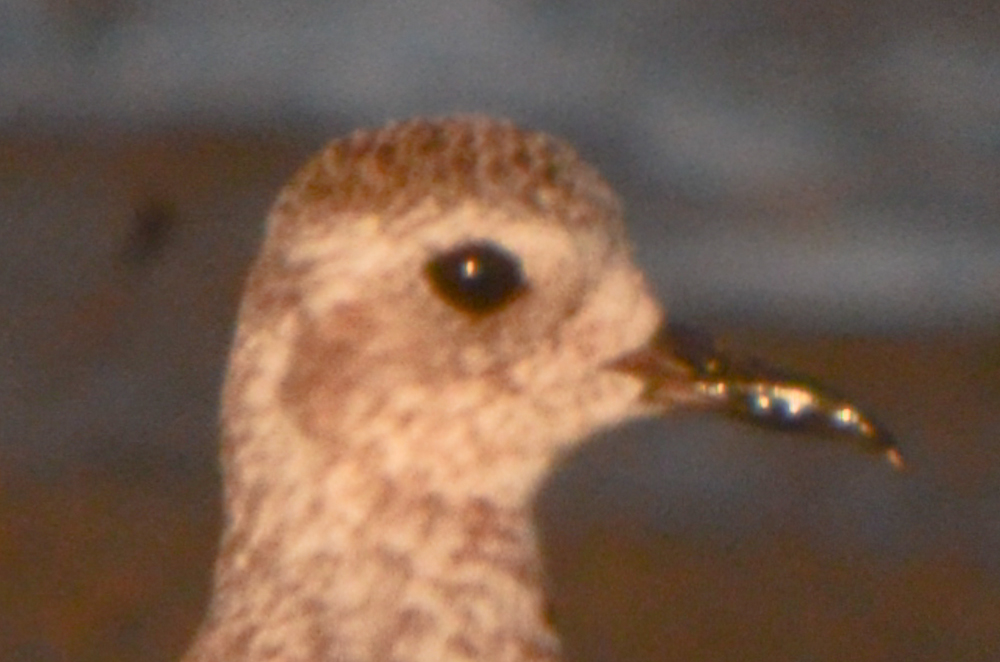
[[818, 182]]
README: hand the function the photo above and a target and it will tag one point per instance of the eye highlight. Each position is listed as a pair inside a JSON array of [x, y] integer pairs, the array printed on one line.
[[478, 277]]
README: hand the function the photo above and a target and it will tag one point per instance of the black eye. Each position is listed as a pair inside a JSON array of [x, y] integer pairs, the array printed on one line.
[[478, 277]]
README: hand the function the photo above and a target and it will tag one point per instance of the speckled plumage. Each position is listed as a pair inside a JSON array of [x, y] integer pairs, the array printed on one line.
[[381, 448]]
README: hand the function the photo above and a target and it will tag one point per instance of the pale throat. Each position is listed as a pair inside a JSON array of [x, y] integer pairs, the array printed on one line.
[[299, 500], [375, 550]]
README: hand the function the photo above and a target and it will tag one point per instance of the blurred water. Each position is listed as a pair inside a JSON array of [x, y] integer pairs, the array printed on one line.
[[830, 163]]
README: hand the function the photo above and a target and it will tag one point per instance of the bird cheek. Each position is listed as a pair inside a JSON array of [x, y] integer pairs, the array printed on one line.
[[325, 367]]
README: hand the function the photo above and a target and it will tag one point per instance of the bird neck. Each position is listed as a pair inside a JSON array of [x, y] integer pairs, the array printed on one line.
[[329, 562]]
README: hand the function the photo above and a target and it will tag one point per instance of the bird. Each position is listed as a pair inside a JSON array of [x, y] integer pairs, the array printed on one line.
[[440, 310]]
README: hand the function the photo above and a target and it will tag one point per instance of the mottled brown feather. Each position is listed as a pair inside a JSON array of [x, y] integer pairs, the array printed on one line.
[[451, 160], [380, 448]]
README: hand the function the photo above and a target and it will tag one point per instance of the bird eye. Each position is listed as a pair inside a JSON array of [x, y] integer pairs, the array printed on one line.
[[479, 277]]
